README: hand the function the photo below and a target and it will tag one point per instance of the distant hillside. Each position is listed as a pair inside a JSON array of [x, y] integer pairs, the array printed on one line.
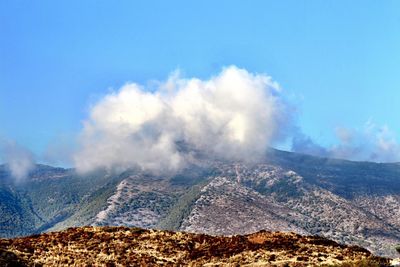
[[355, 203], [121, 246]]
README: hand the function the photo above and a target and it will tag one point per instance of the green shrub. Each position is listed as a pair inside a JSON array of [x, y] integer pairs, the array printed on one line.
[[397, 248]]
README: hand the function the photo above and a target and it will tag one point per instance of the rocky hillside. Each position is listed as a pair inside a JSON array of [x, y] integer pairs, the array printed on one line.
[[354, 203], [270, 197], [122, 246]]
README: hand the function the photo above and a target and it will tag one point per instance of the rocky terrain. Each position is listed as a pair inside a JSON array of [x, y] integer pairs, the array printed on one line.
[[354, 203], [273, 198], [122, 246]]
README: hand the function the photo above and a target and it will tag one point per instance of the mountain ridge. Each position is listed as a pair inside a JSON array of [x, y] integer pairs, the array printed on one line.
[[354, 203]]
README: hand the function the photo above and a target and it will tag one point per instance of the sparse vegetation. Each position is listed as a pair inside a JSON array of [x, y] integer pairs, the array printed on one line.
[[360, 263], [122, 246], [181, 209]]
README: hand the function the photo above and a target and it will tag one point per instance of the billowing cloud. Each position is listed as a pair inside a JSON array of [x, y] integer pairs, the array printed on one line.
[[372, 143], [234, 115], [19, 160]]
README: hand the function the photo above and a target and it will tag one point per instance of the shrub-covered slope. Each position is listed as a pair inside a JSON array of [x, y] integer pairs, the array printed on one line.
[[121, 246], [355, 203]]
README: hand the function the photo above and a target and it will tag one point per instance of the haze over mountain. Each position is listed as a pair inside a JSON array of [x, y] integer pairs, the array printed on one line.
[[349, 202], [192, 155]]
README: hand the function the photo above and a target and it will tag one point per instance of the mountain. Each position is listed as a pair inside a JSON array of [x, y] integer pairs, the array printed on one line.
[[122, 246], [355, 203]]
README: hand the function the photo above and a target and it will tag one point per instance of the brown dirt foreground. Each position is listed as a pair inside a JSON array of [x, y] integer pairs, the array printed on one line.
[[122, 246]]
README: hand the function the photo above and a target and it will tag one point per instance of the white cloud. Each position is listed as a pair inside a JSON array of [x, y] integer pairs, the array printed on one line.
[[234, 115], [372, 143], [19, 160]]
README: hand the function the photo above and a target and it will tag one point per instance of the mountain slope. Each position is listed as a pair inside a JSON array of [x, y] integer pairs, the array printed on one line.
[[349, 202], [48, 196], [272, 198]]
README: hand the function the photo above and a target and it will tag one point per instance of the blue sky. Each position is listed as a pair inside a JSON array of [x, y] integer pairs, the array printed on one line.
[[337, 61]]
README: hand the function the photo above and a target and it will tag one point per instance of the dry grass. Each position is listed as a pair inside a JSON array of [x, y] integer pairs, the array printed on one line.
[[121, 246]]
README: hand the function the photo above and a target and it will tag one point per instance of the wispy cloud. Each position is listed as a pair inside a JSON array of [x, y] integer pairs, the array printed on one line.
[[371, 143], [19, 160]]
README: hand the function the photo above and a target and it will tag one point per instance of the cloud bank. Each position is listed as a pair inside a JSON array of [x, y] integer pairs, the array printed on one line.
[[372, 143], [234, 115], [19, 160]]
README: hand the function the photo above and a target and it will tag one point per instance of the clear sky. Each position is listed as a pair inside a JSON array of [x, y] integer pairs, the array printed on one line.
[[338, 61]]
